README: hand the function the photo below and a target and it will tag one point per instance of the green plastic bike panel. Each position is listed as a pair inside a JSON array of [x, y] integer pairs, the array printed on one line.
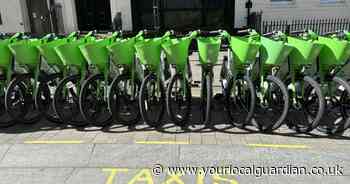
[[5, 53], [244, 49], [177, 51], [274, 52], [334, 52], [26, 52], [347, 34], [123, 51], [96, 53], [70, 53], [209, 49], [305, 52], [47, 50], [149, 51]]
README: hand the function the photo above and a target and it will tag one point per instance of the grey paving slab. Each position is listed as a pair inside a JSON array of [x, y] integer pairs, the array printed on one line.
[[89, 176], [34, 175], [4, 148], [45, 155], [134, 155], [214, 154]]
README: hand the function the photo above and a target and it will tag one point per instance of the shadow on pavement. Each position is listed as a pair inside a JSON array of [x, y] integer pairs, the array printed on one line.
[[220, 123]]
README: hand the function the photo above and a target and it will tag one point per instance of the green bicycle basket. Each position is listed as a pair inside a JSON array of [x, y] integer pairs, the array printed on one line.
[[209, 49], [5, 53], [123, 51], [176, 51], [26, 52], [96, 53], [274, 52], [149, 51], [334, 52], [244, 49], [47, 50], [305, 52], [70, 53]]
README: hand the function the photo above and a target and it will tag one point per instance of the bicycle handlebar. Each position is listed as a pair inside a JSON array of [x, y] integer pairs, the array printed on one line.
[[337, 32], [209, 33], [298, 32], [269, 34]]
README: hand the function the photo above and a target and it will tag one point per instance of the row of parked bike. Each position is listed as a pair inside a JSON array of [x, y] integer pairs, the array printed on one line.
[[82, 79]]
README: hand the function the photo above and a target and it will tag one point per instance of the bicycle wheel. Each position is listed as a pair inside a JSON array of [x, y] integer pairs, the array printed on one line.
[[308, 106], [19, 101], [179, 100], [66, 101], [5, 119], [152, 101], [337, 119], [206, 98], [44, 98], [123, 100], [93, 103], [272, 106], [240, 101]]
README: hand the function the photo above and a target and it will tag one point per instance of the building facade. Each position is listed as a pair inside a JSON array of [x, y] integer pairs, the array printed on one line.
[[70, 15]]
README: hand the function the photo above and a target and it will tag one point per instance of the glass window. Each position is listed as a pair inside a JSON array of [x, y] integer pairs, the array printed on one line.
[[182, 20], [145, 4], [182, 4], [215, 19], [216, 4]]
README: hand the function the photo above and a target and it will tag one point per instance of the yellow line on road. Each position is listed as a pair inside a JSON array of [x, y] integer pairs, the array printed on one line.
[[161, 142], [291, 146], [53, 142]]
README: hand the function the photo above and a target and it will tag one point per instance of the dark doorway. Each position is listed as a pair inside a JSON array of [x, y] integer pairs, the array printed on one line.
[[184, 15], [94, 15], [39, 15]]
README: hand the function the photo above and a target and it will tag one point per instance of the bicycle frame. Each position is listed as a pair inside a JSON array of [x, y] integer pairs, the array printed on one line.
[[73, 60], [236, 67], [126, 62], [176, 50], [149, 50], [8, 68], [299, 70]]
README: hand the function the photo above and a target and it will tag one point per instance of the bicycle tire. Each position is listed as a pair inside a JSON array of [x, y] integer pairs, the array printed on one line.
[[236, 107], [206, 99], [5, 120], [344, 124], [312, 122], [114, 102], [74, 109], [89, 115], [178, 119], [276, 123], [142, 102], [44, 103], [26, 103]]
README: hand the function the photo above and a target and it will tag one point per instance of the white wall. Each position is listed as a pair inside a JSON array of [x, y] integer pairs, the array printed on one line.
[[70, 21], [294, 9], [123, 6], [14, 16]]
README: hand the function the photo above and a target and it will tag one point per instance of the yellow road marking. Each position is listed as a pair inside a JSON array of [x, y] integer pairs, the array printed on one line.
[[161, 142], [291, 146], [53, 142]]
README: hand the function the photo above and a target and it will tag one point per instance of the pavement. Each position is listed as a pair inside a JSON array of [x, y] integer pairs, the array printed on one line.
[[45, 153]]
